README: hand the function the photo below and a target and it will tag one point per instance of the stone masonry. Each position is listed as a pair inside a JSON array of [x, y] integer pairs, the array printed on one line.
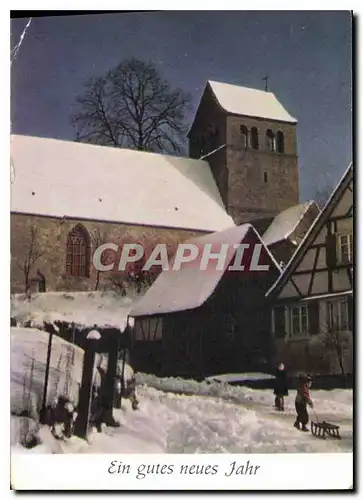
[[51, 239]]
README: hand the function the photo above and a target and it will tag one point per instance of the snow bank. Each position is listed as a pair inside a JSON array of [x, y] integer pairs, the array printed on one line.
[[240, 377], [66, 363], [209, 387], [104, 309], [28, 361], [337, 402]]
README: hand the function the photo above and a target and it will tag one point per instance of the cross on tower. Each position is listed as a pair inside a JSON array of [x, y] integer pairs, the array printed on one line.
[[265, 78]]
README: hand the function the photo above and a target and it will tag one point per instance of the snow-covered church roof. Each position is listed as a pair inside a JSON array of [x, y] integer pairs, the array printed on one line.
[[249, 102], [81, 181]]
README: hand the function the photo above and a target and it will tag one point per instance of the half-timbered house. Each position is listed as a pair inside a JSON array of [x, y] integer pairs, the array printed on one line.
[[312, 313]]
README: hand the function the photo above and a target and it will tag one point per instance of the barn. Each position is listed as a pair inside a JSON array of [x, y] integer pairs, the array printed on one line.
[[195, 323]]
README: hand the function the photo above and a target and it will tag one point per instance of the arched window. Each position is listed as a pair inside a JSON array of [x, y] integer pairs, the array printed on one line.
[[270, 140], [254, 138], [244, 136], [78, 252], [280, 142]]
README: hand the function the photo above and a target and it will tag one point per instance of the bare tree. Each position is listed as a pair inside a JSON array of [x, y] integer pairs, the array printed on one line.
[[117, 283], [332, 338], [32, 254], [134, 278], [133, 107]]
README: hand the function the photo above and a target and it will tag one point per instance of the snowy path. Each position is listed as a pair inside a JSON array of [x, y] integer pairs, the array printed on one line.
[[175, 423], [203, 424]]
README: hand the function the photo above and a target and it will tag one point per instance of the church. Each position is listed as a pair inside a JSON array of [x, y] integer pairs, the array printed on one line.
[[67, 198]]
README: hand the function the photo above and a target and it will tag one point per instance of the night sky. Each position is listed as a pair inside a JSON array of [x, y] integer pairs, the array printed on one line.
[[307, 55]]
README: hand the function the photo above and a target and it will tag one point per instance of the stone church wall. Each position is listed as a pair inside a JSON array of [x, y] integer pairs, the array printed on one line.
[[51, 241]]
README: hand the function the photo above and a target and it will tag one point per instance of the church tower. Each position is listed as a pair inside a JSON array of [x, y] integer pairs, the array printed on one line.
[[249, 141]]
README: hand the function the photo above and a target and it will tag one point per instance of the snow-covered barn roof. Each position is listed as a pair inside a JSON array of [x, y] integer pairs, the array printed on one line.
[[189, 287], [82, 181], [250, 102], [285, 223], [313, 231]]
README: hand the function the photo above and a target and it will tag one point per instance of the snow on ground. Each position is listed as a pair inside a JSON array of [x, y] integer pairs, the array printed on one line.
[[175, 415], [66, 362], [105, 309], [201, 422]]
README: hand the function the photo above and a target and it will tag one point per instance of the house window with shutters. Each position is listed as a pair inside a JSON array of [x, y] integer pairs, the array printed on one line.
[[78, 252], [338, 315], [345, 248], [296, 321], [299, 320]]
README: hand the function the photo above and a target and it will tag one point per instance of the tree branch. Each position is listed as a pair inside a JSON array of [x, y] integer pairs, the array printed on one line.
[[132, 106]]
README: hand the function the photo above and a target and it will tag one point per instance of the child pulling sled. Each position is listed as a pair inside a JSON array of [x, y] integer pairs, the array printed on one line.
[[301, 401]]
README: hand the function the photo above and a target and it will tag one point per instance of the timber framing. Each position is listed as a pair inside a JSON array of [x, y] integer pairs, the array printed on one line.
[[326, 220]]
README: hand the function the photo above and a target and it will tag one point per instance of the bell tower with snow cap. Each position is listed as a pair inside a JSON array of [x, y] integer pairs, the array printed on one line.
[[249, 141]]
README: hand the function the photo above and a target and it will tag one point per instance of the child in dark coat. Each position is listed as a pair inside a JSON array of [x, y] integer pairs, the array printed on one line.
[[301, 401], [280, 389]]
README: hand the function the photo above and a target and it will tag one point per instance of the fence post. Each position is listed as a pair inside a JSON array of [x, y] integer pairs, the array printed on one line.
[[123, 385], [110, 379], [42, 415], [85, 392]]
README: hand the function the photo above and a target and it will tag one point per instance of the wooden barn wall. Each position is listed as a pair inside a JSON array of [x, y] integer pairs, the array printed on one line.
[[230, 332]]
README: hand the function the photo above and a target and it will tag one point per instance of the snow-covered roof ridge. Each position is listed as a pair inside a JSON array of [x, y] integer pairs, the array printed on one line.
[[286, 222], [59, 178], [251, 102]]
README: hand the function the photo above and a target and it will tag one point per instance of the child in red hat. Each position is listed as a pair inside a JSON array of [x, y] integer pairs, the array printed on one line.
[[301, 401]]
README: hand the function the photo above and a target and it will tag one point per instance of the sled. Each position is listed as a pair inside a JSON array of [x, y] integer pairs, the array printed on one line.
[[321, 429]]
